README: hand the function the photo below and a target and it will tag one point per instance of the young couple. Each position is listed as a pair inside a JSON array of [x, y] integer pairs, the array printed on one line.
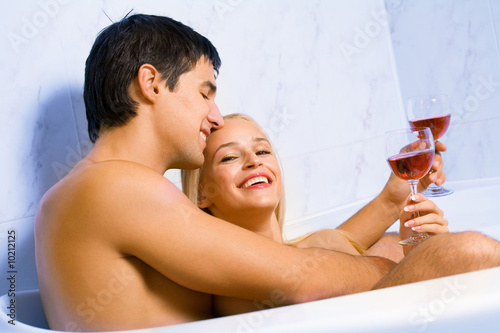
[[120, 247]]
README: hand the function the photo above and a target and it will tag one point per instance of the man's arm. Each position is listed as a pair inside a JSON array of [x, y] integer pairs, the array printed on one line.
[[148, 217]]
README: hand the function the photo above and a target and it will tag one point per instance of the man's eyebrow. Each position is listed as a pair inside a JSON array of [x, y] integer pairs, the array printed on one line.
[[210, 85]]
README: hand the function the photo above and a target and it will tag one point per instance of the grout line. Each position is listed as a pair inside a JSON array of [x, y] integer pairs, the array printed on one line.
[[18, 219], [494, 29]]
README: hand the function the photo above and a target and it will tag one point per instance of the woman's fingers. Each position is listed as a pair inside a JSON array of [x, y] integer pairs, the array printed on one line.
[[418, 202], [428, 223], [430, 217], [432, 228]]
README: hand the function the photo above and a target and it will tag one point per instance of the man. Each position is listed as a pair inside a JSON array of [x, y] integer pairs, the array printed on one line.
[[120, 247]]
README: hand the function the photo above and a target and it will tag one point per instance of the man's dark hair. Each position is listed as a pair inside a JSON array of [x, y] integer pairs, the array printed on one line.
[[121, 49]]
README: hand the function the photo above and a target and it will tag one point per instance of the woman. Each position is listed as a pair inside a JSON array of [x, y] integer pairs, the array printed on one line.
[[241, 182]]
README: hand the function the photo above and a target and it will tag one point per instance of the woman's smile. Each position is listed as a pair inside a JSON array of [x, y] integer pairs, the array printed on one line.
[[256, 181]]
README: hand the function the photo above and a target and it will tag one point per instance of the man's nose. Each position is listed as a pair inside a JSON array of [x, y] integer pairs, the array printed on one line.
[[215, 117]]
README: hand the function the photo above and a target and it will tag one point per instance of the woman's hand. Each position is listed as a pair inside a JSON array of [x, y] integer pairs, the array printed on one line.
[[431, 219]]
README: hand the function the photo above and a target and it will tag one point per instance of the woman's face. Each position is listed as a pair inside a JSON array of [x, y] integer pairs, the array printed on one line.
[[241, 173]]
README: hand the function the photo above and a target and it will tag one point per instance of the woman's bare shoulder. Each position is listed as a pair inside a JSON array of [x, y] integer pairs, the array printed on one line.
[[330, 239]]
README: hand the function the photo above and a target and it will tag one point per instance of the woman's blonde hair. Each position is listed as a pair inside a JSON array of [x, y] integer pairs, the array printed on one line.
[[191, 178]]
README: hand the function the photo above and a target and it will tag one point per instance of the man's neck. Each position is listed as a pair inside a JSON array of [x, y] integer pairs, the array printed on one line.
[[127, 144]]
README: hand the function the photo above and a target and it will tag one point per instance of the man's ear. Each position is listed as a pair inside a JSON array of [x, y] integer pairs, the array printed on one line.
[[149, 80], [203, 201]]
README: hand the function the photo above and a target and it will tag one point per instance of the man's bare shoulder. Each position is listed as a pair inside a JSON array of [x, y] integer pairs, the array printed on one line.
[[104, 193], [115, 172], [105, 220], [110, 177]]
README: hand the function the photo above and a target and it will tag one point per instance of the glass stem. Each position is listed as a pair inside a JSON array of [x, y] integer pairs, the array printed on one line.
[[413, 189], [432, 185], [416, 237]]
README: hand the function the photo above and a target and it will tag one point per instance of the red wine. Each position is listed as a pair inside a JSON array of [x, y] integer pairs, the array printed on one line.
[[438, 125], [412, 165]]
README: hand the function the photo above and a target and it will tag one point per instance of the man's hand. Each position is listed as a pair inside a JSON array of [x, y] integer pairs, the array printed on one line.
[[436, 174]]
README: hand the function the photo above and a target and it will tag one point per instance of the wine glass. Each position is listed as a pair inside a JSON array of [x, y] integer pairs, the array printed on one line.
[[431, 111], [410, 153]]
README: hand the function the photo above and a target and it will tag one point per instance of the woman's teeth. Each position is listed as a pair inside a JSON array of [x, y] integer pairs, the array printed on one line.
[[203, 136], [253, 181]]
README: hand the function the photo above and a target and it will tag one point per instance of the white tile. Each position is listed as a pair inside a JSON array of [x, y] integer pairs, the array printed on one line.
[[448, 47], [324, 78], [39, 142], [451, 47], [20, 234], [473, 150], [331, 178]]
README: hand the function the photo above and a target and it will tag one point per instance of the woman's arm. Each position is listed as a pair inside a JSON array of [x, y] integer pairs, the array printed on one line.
[[370, 223]]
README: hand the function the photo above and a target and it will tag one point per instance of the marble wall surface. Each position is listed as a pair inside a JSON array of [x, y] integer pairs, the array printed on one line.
[[324, 78], [451, 47]]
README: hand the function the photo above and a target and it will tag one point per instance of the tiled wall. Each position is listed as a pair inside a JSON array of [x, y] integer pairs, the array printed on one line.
[[325, 79], [451, 47]]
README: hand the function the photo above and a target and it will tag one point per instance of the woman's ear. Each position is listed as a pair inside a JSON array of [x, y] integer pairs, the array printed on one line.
[[149, 80], [203, 201]]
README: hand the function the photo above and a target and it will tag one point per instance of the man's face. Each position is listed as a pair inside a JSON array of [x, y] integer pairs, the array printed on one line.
[[188, 115]]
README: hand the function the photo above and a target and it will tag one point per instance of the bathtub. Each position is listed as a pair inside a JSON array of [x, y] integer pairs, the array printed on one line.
[[460, 303]]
